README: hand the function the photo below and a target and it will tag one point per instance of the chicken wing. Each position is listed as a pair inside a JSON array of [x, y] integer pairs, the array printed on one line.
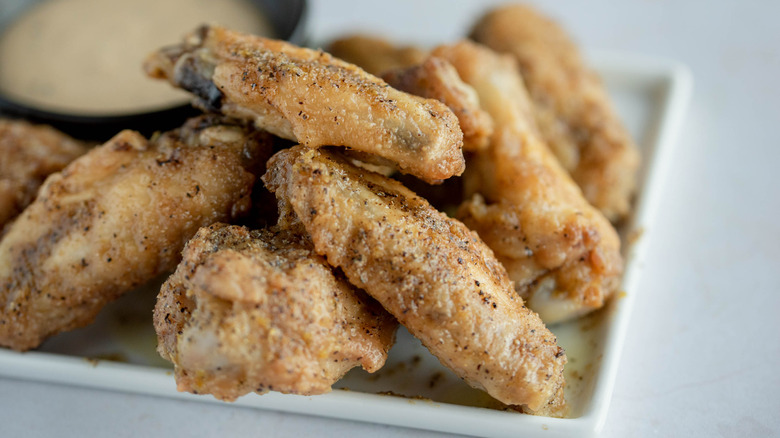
[[375, 55], [435, 78], [28, 154], [313, 98], [561, 252], [429, 271], [571, 107], [260, 311], [115, 218]]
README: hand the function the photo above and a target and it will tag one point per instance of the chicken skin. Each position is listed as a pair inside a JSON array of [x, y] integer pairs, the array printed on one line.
[[115, 218], [313, 98], [435, 78], [375, 55], [28, 154], [561, 252], [433, 274], [260, 311], [571, 107]]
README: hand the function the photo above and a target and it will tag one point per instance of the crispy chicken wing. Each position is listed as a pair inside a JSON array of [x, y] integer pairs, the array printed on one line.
[[436, 78], [428, 270], [571, 107], [28, 154], [115, 218], [313, 98], [260, 311], [561, 252], [374, 54]]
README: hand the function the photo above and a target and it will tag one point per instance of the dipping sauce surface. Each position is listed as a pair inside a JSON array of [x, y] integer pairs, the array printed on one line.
[[84, 56]]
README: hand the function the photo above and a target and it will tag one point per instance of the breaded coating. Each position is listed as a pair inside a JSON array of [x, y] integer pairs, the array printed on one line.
[[434, 275], [437, 79], [28, 154], [114, 219], [260, 311], [374, 54], [313, 98], [571, 106], [561, 252]]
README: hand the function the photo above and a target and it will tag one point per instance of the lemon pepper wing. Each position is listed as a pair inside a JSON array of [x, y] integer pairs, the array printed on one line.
[[570, 105], [28, 154], [313, 98], [561, 252], [259, 310], [433, 274], [117, 217]]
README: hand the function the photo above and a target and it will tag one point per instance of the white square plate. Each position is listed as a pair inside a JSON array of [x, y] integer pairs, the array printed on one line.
[[413, 390]]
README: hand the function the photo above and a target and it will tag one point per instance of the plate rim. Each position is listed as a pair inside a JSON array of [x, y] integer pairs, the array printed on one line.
[[676, 82]]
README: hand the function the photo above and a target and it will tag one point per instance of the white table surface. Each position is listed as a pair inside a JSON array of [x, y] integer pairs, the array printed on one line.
[[703, 352]]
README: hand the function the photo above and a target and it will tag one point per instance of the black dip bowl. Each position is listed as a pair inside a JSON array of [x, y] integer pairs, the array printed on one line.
[[287, 17]]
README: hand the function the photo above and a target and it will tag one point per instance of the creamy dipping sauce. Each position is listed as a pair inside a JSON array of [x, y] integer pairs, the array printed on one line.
[[85, 56]]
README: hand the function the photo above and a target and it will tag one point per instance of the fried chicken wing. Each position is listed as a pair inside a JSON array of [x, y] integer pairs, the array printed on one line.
[[561, 252], [436, 78], [260, 311], [374, 54], [429, 271], [313, 98], [28, 154], [571, 107], [115, 218]]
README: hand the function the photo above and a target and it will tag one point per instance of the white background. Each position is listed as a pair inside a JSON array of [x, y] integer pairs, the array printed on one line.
[[703, 352]]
